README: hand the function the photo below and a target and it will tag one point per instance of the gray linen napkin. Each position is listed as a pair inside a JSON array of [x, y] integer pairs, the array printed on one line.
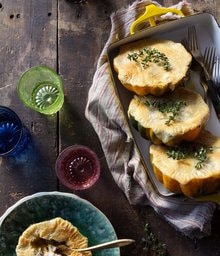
[[105, 113]]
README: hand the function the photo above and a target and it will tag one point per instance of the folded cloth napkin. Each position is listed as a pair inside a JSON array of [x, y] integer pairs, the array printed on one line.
[[105, 113]]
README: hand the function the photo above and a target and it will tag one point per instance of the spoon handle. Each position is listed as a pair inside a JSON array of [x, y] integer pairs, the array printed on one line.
[[111, 244]]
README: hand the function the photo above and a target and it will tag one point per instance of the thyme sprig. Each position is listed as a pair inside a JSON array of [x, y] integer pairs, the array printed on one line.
[[151, 245], [201, 156], [167, 107], [199, 152], [147, 55]]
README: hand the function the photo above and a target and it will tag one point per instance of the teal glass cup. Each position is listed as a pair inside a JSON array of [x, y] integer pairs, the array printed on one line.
[[40, 88], [14, 136]]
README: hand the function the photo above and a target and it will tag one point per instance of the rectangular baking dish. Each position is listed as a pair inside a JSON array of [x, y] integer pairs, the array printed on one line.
[[208, 35]]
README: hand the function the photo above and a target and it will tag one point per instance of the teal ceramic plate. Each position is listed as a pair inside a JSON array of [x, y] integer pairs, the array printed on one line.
[[90, 221]]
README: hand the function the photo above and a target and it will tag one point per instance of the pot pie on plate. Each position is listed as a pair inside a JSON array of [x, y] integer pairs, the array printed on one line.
[[55, 237], [51, 206]]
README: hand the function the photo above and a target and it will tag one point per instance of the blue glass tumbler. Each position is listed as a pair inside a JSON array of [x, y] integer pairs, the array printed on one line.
[[14, 137]]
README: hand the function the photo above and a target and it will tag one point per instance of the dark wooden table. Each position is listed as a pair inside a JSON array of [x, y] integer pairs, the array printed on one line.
[[69, 38]]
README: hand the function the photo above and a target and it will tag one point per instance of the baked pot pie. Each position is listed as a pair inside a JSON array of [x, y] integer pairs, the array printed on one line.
[[53, 237], [152, 66], [171, 118], [192, 169]]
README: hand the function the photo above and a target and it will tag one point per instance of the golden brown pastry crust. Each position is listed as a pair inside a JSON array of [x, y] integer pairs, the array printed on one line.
[[194, 114], [154, 79], [182, 176], [51, 237]]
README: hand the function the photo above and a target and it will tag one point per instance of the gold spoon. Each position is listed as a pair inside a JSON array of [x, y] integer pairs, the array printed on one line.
[[111, 244]]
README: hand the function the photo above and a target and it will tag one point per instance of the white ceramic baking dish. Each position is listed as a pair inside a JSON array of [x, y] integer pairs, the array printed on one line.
[[208, 35]]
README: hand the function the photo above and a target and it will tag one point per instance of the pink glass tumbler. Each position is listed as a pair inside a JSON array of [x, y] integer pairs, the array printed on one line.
[[77, 167]]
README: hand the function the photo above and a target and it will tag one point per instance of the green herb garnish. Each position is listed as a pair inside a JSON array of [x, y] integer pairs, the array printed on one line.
[[151, 245], [183, 151], [167, 107], [178, 153], [147, 55], [201, 156]]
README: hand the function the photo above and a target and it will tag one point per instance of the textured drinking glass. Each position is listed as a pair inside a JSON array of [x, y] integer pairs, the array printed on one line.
[[40, 88], [77, 167], [14, 137]]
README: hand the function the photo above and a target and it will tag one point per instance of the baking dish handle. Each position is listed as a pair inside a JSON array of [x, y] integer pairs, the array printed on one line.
[[150, 12]]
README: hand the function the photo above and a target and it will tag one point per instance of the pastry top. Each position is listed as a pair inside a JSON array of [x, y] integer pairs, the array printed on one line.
[[189, 168], [156, 64], [52, 237], [171, 115]]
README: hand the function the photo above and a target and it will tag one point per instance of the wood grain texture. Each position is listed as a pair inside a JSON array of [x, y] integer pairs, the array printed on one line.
[[82, 33], [69, 37], [28, 38], [80, 43]]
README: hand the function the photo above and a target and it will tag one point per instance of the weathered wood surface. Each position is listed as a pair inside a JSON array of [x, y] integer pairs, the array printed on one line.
[[69, 38], [28, 38]]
